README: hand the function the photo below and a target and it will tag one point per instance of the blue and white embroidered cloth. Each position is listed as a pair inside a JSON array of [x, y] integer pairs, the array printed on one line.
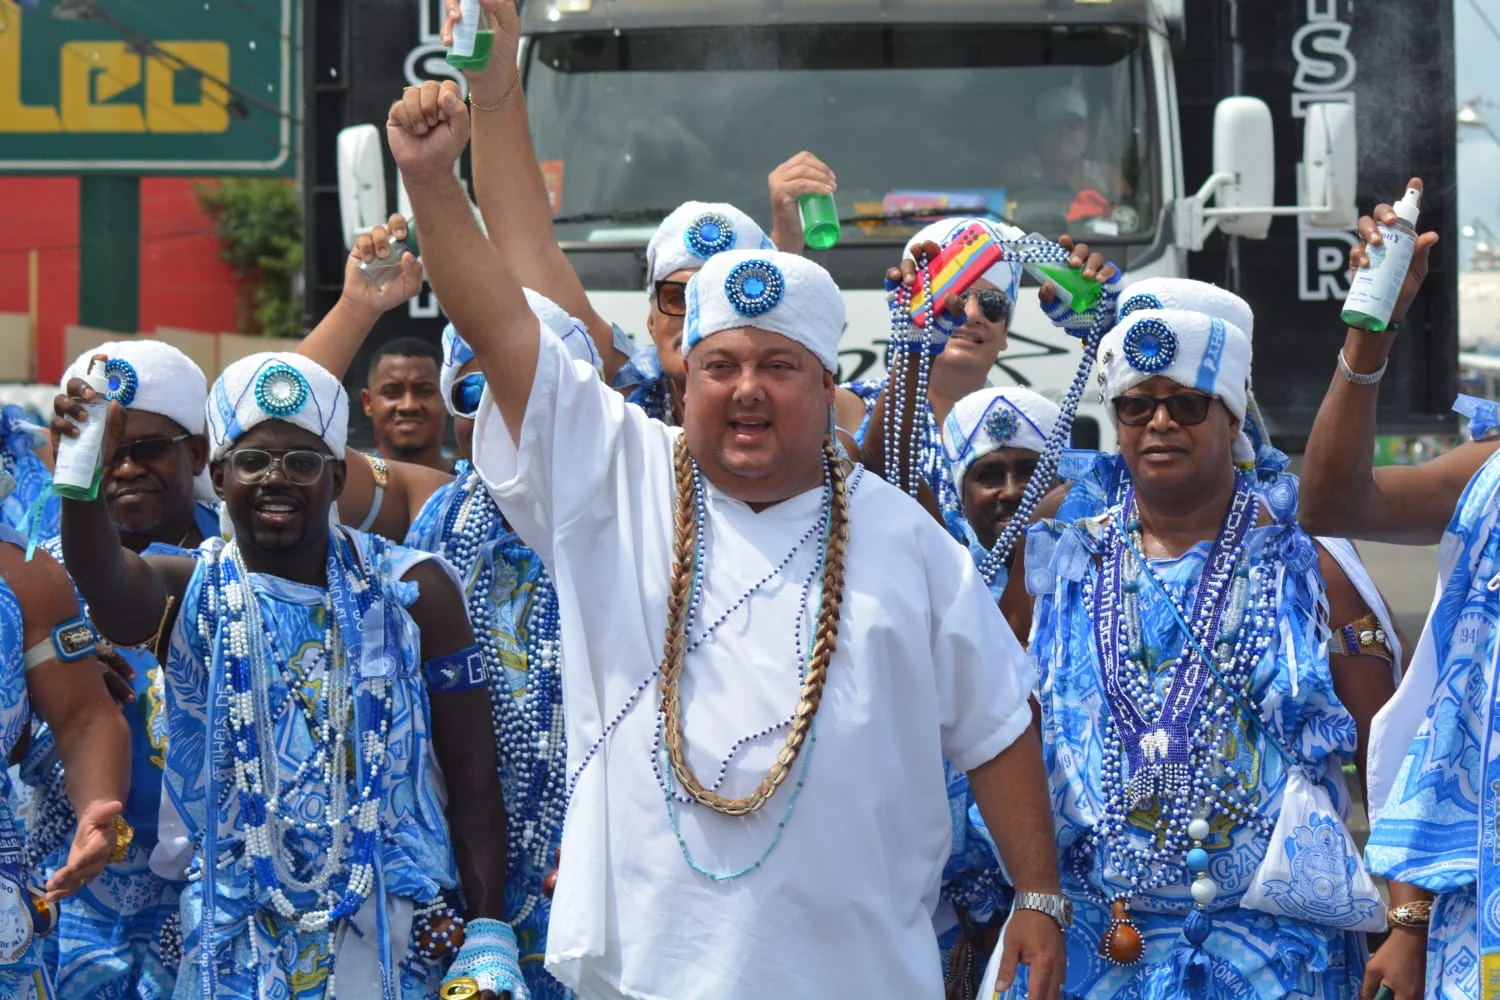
[[1251, 953], [414, 856]]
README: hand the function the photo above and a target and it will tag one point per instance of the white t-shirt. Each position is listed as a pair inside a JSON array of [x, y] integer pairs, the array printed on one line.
[[925, 668]]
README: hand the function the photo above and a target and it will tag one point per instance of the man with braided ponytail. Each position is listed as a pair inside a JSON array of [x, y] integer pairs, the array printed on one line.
[[757, 803]]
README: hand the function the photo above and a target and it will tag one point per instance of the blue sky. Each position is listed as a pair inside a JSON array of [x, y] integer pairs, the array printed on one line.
[[1478, 52]]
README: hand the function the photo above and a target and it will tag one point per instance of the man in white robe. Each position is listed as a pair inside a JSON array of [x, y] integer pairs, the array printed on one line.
[[826, 891]]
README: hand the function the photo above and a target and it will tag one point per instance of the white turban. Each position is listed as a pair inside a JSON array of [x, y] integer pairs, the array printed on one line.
[[150, 376], [990, 419], [695, 232], [1185, 293], [1004, 275], [280, 386], [572, 332], [777, 292], [1193, 349]]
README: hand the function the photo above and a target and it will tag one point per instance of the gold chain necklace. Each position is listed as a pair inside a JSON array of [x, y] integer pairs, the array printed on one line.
[[825, 638]]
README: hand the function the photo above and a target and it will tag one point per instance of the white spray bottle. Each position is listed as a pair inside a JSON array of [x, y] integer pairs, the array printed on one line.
[[80, 460], [471, 43], [1372, 296]]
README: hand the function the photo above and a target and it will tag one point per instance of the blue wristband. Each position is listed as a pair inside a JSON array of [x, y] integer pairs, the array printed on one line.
[[490, 959], [455, 672]]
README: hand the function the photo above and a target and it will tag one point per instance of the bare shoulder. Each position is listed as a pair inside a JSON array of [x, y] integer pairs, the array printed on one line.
[[1344, 601]]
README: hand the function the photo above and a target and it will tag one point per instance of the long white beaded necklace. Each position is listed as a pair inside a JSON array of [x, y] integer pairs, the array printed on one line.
[[268, 804]]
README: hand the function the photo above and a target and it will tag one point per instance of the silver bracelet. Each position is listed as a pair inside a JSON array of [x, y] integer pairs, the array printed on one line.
[[1355, 377]]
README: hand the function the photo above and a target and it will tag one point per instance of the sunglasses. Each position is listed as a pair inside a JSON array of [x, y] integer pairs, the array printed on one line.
[[671, 297], [466, 394], [254, 465], [993, 303], [143, 451], [1186, 409]]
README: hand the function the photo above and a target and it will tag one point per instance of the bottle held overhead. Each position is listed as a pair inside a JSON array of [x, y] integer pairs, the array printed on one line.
[[80, 460], [1373, 293], [471, 43]]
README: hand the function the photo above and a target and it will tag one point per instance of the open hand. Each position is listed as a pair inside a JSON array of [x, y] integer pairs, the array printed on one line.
[[93, 844], [428, 129], [1034, 940], [1369, 232]]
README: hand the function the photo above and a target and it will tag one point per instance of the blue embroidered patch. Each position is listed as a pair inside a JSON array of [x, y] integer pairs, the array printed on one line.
[[754, 287], [281, 391], [123, 381], [1150, 346], [709, 234]]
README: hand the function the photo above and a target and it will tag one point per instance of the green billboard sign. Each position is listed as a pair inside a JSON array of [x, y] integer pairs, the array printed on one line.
[[148, 86]]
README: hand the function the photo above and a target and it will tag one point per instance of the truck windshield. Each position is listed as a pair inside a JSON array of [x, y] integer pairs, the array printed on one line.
[[1052, 129]]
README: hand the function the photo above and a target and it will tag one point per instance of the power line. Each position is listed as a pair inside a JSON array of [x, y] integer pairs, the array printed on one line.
[[1486, 19]]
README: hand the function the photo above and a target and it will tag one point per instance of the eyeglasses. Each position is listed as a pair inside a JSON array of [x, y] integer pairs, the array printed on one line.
[[466, 394], [993, 303], [301, 468], [143, 451], [671, 297], [1187, 409]]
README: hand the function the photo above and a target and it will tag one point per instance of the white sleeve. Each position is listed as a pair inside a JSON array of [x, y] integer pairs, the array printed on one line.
[[984, 677], [579, 441]]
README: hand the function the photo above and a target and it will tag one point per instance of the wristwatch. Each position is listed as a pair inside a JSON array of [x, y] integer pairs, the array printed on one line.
[[1058, 907]]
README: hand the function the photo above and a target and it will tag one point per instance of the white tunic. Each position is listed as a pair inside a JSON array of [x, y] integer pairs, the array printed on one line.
[[925, 668]]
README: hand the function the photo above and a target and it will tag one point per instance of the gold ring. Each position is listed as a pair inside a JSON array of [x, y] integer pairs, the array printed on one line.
[[459, 989]]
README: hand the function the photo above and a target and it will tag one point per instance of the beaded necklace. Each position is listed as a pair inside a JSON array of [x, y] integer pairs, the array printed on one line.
[[684, 593], [361, 713], [1173, 747], [1033, 251], [902, 346], [528, 723]]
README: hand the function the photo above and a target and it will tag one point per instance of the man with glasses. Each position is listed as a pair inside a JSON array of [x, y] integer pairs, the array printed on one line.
[[119, 936], [1195, 717], [317, 681]]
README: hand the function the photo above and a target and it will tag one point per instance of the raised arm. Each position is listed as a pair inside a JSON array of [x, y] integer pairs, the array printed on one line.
[[1342, 493], [427, 130], [127, 597], [508, 183], [92, 736]]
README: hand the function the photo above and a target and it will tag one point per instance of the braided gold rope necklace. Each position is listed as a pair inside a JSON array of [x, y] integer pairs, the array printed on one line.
[[684, 565]]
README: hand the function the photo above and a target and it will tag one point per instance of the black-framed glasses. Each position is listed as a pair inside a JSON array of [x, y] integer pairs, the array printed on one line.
[[1186, 409], [671, 298], [143, 451], [466, 394], [993, 303], [301, 468]]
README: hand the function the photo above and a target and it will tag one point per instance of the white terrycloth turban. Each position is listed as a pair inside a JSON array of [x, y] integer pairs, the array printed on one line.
[[777, 292], [279, 386], [990, 419], [1004, 275], [696, 231], [150, 376], [1185, 293], [1193, 349], [572, 332]]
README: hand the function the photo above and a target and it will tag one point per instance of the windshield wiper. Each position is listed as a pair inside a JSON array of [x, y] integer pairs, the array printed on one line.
[[927, 215], [651, 215]]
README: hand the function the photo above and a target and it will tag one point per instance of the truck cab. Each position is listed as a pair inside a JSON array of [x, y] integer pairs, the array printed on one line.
[[1058, 117]]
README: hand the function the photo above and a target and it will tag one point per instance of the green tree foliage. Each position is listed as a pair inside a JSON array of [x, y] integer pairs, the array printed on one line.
[[258, 221]]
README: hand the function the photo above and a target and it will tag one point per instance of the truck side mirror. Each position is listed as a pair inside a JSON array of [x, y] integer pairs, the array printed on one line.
[[1329, 168], [1244, 150], [361, 173]]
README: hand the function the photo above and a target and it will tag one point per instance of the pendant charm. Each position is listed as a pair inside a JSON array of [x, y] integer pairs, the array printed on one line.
[[1121, 943]]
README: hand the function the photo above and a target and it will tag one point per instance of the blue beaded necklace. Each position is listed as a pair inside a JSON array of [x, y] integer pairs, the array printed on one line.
[[1176, 757], [528, 723]]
